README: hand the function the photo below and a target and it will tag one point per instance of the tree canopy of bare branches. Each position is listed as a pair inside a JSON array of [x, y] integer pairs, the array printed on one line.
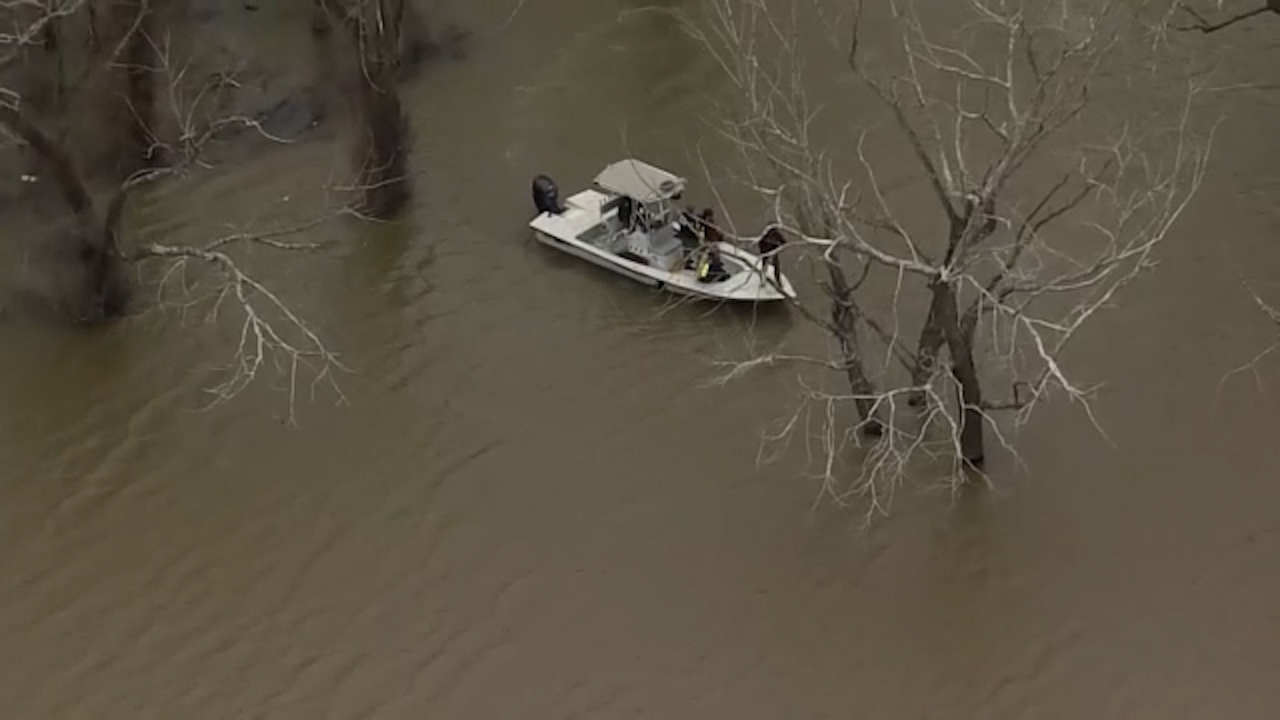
[[950, 296], [170, 114]]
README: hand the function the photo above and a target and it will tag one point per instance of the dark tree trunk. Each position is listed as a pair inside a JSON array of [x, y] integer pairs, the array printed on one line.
[[383, 149], [973, 226], [844, 320], [127, 42], [57, 161], [385, 162], [945, 311], [100, 288], [415, 45], [927, 349], [324, 71], [140, 83], [51, 65]]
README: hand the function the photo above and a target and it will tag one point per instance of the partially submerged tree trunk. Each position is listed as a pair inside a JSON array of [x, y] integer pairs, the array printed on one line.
[[969, 228], [385, 160], [98, 288], [382, 147], [944, 310], [927, 349], [844, 324]]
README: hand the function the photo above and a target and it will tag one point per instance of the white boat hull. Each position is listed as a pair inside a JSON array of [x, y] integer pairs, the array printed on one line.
[[583, 217], [616, 264]]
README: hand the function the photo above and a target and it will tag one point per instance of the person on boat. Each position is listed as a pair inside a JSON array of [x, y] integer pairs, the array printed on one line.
[[711, 235], [626, 213], [687, 229], [711, 264], [770, 244]]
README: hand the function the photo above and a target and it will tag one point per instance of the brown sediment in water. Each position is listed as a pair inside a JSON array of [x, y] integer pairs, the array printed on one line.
[[530, 508]]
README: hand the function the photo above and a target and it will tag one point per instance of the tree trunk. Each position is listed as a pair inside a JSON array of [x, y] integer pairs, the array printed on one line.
[[39, 81], [100, 288], [322, 48], [50, 67], [844, 320], [944, 309], [415, 44], [927, 349], [383, 148], [141, 84], [384, 173], [54, 158], [932, 335], [128, 37], [140, 90]]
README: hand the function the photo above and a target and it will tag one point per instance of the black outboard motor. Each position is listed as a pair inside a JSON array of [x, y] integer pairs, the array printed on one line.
[[546, 196]]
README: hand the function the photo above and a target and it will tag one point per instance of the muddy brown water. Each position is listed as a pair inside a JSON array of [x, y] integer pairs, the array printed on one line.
[[529, 508]]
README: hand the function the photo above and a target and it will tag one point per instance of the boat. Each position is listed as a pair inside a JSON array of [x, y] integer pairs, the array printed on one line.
[[628, 221]]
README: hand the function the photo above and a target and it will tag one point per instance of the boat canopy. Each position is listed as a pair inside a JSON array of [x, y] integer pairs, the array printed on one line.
[[640, 181]]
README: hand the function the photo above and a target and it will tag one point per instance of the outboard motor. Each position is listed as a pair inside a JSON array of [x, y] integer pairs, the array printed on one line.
[[546, 196]]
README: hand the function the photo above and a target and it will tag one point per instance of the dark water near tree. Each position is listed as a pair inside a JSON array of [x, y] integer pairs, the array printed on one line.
[[530, 509]]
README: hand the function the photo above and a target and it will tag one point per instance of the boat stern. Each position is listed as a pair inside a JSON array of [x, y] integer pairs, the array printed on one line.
[[754, 287]]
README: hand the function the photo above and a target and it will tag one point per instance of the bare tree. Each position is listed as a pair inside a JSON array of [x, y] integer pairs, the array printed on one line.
[[1001, 269], [97, 247], [383, 144]]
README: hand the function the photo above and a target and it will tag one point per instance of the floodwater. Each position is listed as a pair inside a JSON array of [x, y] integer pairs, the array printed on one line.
[[530, 509]]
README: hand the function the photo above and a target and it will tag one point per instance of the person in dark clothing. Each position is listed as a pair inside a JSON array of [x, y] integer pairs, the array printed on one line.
[[770, 244], [711, 268], [686, 229], [710, 232], [627, 213]]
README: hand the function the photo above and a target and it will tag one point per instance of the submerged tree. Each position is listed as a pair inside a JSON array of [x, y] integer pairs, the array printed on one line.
[[1001, 269], [93, 258], [383, 135]]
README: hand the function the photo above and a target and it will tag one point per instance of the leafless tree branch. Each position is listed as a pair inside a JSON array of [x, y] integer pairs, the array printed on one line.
[[985, 107], [197, 110], [270, 332], [1204, 25], [1253, 366]]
